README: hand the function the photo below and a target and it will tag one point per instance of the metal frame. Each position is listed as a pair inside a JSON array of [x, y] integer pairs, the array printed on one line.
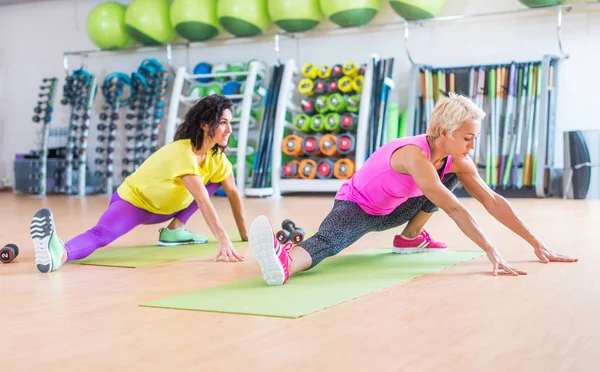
[[282, 186], [43, 184], [177, 98]]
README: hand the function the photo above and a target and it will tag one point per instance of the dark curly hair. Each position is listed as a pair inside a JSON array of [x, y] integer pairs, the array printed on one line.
[[208, 110]]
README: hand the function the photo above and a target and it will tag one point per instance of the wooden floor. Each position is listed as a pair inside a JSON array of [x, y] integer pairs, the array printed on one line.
[[458, 319]]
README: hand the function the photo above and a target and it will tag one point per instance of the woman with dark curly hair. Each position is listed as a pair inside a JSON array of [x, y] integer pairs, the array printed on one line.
[[171, 184]]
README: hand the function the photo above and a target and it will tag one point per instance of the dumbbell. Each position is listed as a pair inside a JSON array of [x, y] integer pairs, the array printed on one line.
[[350, 69], [317, 123], [290, 169], [324, 72], [357, 83], [320, 87], [328, 145], [325, 168], [333, 87], [8, 253], [306, 87], [346, 143], [343, 169], [290, 232], [337, 71], [310, 70], [307, 169], [302, 123], [345, 84], [353, 103], [337, 103], [308, 106], [292, 145], [363, 69], [332, 122], [311, 145], [349, 122], [321, 105]]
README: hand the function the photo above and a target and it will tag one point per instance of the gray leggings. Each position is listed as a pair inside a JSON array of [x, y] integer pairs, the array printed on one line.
[[347, 222]]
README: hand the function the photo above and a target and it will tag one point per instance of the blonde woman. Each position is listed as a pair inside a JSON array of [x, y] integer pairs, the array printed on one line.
[[406, 180]]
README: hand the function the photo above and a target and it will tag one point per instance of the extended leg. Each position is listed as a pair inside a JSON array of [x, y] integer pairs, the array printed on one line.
[[50, 252], [119, 218], [345, 224]]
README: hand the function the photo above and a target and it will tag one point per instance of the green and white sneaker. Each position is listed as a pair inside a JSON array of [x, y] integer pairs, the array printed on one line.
[[48, 246], [179, 236]]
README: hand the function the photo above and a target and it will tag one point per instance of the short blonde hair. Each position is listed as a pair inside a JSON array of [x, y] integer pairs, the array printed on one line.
[[450, 112]]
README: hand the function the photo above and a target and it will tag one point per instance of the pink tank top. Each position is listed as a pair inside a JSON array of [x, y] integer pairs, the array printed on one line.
[[376, 187]]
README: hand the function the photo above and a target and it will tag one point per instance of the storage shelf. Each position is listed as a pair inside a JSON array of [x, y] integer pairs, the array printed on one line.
[[399, 22]]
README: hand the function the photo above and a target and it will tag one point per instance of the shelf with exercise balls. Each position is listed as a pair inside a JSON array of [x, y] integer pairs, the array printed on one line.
[[149, 23], [196, 20], [295, 15], [242, 82], [350, 13], [513, 150], [319, 149], [244, 18], [412, 10], [106, 26], [541, 3]]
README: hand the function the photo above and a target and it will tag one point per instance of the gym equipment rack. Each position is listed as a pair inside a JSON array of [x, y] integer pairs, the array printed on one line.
[[251, 96]]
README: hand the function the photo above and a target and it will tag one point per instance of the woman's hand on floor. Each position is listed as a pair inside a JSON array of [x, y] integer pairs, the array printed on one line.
[[546, 255], [228, 253], [499, 263]]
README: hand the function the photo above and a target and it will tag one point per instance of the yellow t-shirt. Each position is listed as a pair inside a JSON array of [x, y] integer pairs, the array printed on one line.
[[156, 186]]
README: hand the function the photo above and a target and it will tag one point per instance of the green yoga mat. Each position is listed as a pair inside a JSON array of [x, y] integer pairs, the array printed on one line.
[[333, 282], [147, 255]]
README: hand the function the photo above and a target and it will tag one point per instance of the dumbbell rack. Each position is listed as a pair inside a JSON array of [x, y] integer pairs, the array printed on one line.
[[145, 113], [283, 185], [79, 93], [112, 89], [46, 119], [183, 78]]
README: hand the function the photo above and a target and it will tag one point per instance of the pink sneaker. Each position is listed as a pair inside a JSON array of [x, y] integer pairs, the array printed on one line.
[[271, 255], [420, 244]]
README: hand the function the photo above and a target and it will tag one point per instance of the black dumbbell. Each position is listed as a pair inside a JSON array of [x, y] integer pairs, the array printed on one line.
[[8, 253], [290, 233]]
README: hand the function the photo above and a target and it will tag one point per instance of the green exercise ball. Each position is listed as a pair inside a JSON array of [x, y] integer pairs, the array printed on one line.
[[195, 20], [149, 23], [541, 3], [106, 26], [417, 9], [295, 15], [244, 17], [348, 13]]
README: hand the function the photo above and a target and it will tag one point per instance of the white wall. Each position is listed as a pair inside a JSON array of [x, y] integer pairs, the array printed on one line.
[[33, 37]]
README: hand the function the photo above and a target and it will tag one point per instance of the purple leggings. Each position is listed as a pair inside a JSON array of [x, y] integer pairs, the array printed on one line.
[[119, 218]]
